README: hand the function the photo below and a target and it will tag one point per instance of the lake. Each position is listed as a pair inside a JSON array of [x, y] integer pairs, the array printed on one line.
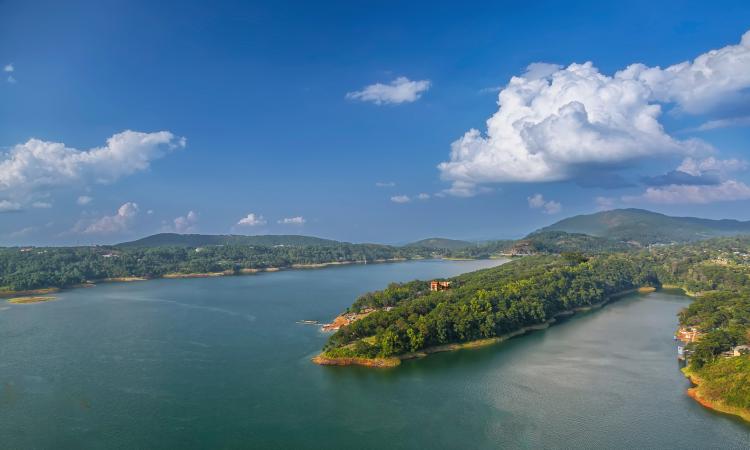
[[222, 363]]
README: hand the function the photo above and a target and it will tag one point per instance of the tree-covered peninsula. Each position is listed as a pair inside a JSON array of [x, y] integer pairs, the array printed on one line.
[[486, 304], [410, 320]]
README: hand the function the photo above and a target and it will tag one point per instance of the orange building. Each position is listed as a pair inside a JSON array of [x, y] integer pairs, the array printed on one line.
[[439, 285]]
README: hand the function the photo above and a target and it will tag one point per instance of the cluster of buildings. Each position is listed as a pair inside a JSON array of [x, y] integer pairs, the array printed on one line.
[[688, 335]]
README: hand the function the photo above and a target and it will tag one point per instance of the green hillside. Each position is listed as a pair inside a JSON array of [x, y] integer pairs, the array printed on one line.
[[561, 242], [441, 243], [647, 227], [200, 240]]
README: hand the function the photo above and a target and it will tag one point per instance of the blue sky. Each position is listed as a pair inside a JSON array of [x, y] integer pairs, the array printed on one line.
[[231, 117]]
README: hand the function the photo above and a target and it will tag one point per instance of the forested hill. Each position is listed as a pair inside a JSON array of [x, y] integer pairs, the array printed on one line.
[[201, 240], [442, 243], [647, 227]]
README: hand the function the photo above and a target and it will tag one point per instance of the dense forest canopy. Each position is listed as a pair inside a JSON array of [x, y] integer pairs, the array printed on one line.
[[493, 302], [43, 267], [32, 268]]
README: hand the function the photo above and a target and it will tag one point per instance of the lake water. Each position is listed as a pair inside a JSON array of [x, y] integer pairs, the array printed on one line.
[[221, 363]]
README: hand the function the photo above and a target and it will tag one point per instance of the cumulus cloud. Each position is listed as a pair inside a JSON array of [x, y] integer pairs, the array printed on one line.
[[400, 90], [37, 167], [702, 84], [400, 199], [423, 196], [537, 201], [117, 223], [385, 184], [41, 205], [84, 200], [557, 123], [252, 220], [298, 220], [186, 223]]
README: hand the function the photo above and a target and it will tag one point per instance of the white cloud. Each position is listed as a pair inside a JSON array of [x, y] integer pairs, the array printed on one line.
[[724, 123], [719, 188], [84, 200], [150, 212], [298, 220], [37, 167], [729, 190], [556, 124], [721, 167], [423, 196], [537, 201], [252, 220], [385, 184], [186, 223], [9, 69], [400, 90], [400, 199], [117, 223], [8, 206], [42, 205], [702, 84]]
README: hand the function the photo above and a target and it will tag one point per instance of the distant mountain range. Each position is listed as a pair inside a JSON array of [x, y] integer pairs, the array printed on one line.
[[610, 228], [201, 240], [647, 227]]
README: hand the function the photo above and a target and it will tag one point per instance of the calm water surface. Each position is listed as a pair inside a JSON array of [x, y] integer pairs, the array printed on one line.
[[221, 363]]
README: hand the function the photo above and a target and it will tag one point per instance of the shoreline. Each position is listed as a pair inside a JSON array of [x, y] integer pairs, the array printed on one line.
[[682, 289], [695, 393], [323, 360], [4, 293], [31, 299]]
